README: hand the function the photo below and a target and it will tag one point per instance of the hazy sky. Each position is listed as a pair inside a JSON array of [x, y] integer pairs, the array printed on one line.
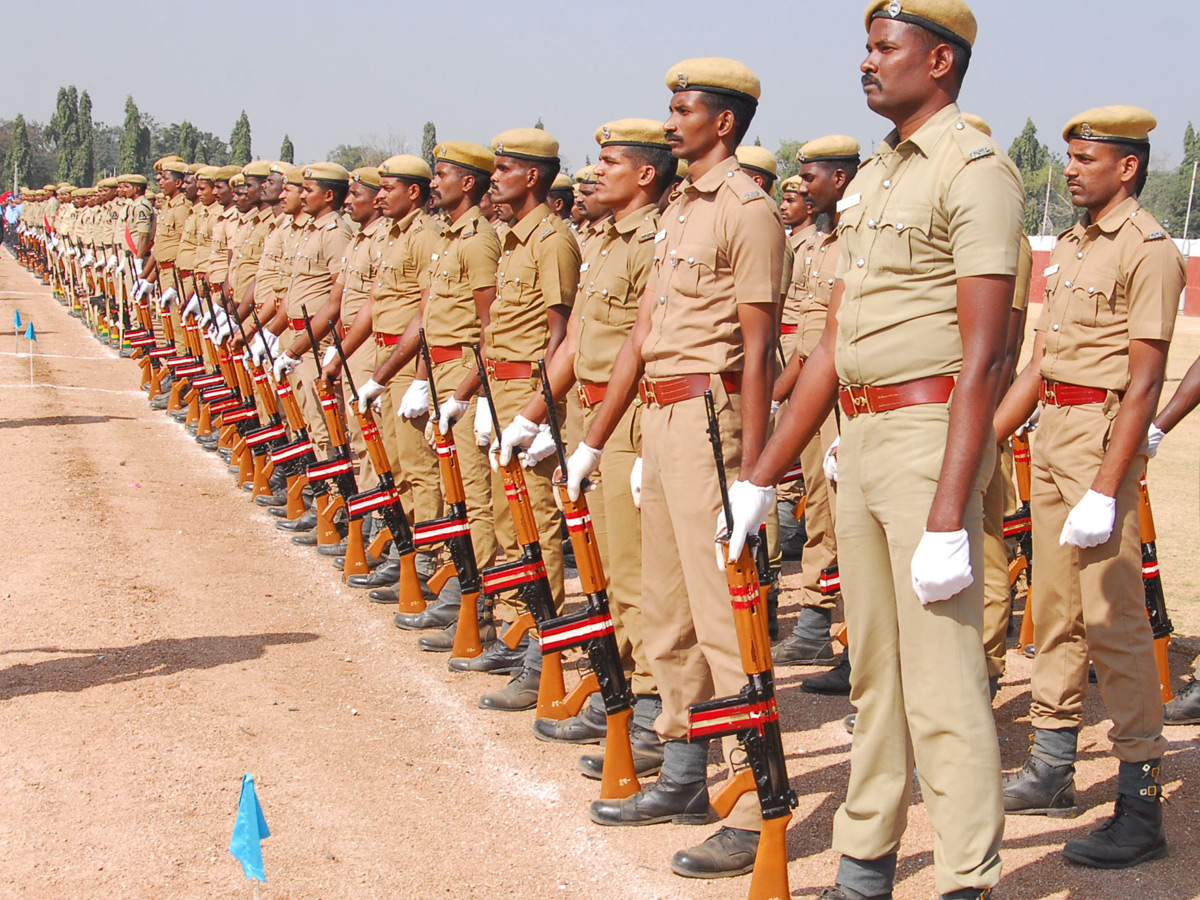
[[329, 73]]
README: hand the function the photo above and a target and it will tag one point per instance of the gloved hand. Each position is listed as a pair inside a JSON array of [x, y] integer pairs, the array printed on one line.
[[1090, 522], [256, 350], [88, 260], [540, 447], [415, 402], [205, 318], [519, 433], [272, 341], [941, 565], [368, 395], [582, 463], [453, 409], [138, 264], [285, 363], [483, 422], [170, 296], [223, 330], [829, 463], [192, 310], [635, 483], [749, 504], [111, 264], [143, 288], [1154, 438], [330, 355], [1030, 423], [775, 404]]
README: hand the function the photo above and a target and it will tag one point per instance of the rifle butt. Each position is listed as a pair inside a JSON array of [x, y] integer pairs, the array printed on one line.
[[382, 536], [175, 401], [1161, 645], [517, 630], [1027, 620], [770, 878], [409, 589], [842, 635], [201, 415], [579, 695], [552, 692], [262, 477], [245, 461], [467, 643], [327, 507], [618, 779], [156, 379], [295, 495], [438, 579], [227, 437], [356, 557], [731, 791], [1015, 568]]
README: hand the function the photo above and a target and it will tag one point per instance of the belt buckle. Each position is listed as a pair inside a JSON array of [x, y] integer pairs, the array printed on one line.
[[489, 366], [648, 392], [1049, 393], [860, 398], [583, 400]]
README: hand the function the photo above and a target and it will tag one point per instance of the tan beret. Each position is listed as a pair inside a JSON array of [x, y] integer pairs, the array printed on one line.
[[586, 175], [760, 159], [224, 173], [1125, 124], [158, 163], [831, 147], [632, 133], [467, 155], [106, 183], [62, 185], [206, 173], [526, 143], [129, 178], [562, 183], [368, 175], [714, 75], [406, 166], [326, 171], [195, 167], [259, 168], [791, 184], [978, 123], [176, 165], [237, 179], [289, 173], [951, 20]]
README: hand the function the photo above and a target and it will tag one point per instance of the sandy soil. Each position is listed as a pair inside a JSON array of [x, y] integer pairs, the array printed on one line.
[[161, 638]]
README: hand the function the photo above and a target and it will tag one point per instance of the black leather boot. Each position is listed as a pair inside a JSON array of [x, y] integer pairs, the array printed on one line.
[[1135, 832], [664, 801], [1041, 789], [729, 852]]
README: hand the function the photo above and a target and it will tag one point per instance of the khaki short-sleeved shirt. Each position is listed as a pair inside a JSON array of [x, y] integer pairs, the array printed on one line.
[[204, 231], [267, 282], [141, 219], [538, 270], [359, 266], [120, 213], [945, 204], [293, 231], [1024, 274], [612, 279], [188, 238], [222, 234], [317, 261], [403, 271], [720, 245], [1108, 283], [816, 272], [464, 260], [250, 238], [169, 229]]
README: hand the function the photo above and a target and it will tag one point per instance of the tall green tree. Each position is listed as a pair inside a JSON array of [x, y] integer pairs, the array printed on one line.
[[20, 157], [785, 158], [538, 124], [188, 141], [287, 151], [1191, 145], [429, 143], [84, 164], [132, 156], [239, 141], [63, 131], [1027, 152]]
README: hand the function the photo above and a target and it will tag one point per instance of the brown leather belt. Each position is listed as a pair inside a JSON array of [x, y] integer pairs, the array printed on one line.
[[666, 391], [166, 266], [591, 394], [185, 273], [439, 355], [297, 325], [386, 340], [508, 371], [788, 329], [1055, 393], [856, 399]]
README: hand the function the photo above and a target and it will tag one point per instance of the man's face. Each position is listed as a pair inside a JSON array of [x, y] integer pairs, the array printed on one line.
[[123, 191], [107, 194], [241, 197], [223, 192], [487, 206], [189, 187], [616, 178], [317, 198], [172, 183], [691, 128], [272, 187], [819, 186], [896, 71], [510, 181], [291, 199], [1093, 172], [204, 192], [254, 189], [396, 198], [360, 202], [792, 209], [446, 189]]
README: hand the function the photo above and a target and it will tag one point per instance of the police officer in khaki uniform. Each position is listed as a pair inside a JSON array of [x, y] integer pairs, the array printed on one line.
[[930, 234], [246, 245], [708, 321], [222, 230], [1098, 366], [635, 167]]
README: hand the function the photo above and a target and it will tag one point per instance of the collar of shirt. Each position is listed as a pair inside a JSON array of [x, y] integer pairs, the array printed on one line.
[[1112, 220], [301, 220], [402, 225], [925, 137], [524, 228], [463, 221], [373, 227], [711, 180], [631, 222], [326, 217]]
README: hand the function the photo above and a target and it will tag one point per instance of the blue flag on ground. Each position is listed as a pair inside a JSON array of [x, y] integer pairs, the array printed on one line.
[[248, 832], [30, 335], [16, 318]]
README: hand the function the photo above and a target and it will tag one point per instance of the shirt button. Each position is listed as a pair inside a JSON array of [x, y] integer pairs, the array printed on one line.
[[810, 296], [1055, 326], [1067, 284], [681, 218], [1091, 290], [691, 259], [870, 223], [899, 226], [860, 262], [1079, 255], [662, 299], [887, 182]]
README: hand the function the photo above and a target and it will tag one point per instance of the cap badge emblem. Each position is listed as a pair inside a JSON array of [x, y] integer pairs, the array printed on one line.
[[681, 80], [605, 132], [894, 8], [1086, 130]]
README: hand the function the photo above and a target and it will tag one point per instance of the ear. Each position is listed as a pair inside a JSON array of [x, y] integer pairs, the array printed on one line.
[[468, 184], [645, 176], [726, 123], [941, 61], [839, 179], [1128, 169]]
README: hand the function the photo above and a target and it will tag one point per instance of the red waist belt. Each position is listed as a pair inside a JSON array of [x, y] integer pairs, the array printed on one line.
[[296, 325], [591, 394], [1055, 393], [857, 399], [439, 355], [386, 340], [788, 329], [666, 391], [166, 266], [508, 371], [185, 273]]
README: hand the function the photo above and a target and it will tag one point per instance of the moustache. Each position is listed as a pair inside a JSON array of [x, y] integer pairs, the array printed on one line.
[[871, 79]]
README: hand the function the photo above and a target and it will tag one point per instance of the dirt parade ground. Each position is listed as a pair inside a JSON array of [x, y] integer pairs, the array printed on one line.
[[161, 638]]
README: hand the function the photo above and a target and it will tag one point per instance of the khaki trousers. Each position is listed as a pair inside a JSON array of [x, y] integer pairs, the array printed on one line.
[[303, 380], [919, 683], [687, 619], [998, 501], [414, 463], [820, 545], [510, 397], [472, 461], [361, 365], [1090, 602]]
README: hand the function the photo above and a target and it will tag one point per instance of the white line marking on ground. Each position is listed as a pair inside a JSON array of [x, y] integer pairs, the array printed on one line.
[[71, 387]]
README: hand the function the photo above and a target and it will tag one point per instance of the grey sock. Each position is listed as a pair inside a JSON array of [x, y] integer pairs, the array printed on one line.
[[685, 762], [813, 624], [646, 708], [533, 656], [1055, 746], [870, 877]]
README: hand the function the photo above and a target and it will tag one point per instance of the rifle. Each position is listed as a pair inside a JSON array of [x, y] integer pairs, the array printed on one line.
[[455, 530], [223, 393], [527, 574], [273, 434], [1019, 527], [384, 497], [751, 714], [592, 628], [1156, 601]]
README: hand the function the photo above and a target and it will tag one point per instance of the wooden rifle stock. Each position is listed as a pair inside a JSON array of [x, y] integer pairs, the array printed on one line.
[[1023, 464], [1156, 602]]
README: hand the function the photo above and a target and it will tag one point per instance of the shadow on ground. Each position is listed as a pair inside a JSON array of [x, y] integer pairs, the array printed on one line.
[[62, 420]]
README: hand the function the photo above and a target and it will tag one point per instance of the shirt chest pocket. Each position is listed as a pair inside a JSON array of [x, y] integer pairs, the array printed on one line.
[[612, 302], [520, 281], [903, 241], [1093, 294], [692, 269]]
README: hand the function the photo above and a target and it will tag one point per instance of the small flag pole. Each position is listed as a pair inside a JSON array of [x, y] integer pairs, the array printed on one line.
[[31, 336], [17, 331]]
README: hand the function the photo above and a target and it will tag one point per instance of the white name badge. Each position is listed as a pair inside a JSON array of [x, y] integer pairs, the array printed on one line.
[[583, 268], [849, 202], [1050, 270], [660, 236], [435, 257]]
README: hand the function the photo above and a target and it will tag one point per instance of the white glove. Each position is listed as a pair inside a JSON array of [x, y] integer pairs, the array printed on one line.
[[749, 504], [519, 434], [206, 318], [143, 288], [415, 402], [1030, 423], [112, 263], [1090, 522], [829, 463], [1154, 438], [453, 409], [88, 260], [122, 268], [775, 404], [212, 334], [272, 341], [368, 395], [169, 296], [635, 483], [284, 364], [256, 350], [192, 310], [137, 266], [330, 356], [941, 565], [540, 447], [223, 330], [483, 423], [582, 463]]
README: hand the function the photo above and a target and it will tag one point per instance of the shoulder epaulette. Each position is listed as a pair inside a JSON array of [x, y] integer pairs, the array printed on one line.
[[648, 236]]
